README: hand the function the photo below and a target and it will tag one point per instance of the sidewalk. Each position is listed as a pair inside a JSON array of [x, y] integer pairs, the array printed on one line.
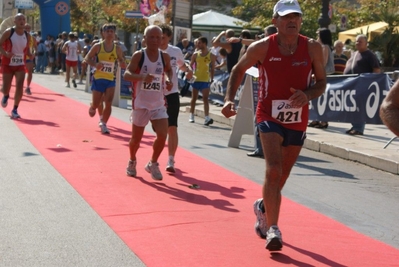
[[367, 149]]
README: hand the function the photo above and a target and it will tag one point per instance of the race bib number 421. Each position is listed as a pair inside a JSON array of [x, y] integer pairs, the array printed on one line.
[[284, 112]]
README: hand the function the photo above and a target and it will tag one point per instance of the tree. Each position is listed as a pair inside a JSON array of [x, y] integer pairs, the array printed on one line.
[[89, 15], [368, 11], [388, 41], [260, 12], [85, 15], [256, 12]]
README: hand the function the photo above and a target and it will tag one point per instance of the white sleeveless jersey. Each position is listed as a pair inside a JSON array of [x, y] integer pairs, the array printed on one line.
[[18, 46], [176, 61], [72, 52], [150, 96]]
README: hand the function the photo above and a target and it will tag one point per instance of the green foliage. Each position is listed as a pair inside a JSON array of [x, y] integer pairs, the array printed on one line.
[[257, 12], [311, 13], [370, 11], [260, 12], [89, 15], [387, 42]]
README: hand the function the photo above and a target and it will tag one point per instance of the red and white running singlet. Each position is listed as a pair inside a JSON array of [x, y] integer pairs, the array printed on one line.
[[277, 74], [16, 44]]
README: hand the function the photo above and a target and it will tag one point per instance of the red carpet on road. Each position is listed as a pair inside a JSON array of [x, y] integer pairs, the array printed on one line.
[[166, 223]]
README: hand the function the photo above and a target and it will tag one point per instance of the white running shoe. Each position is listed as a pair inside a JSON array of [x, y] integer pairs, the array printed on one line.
[[260, 224], [208, 121], [191, 119], [170, 166], [131, 168], [104, 129], [274, 240], [153, 168], [14, 114]]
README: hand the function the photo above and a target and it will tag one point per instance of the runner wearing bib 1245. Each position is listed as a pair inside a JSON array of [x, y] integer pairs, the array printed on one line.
[[149, 95], [150, 70]]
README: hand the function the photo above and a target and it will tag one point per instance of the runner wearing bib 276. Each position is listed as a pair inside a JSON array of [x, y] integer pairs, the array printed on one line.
[[14, 46], [103, 86]]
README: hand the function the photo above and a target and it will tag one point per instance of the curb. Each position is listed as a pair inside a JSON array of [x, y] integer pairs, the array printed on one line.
[[353, 155]]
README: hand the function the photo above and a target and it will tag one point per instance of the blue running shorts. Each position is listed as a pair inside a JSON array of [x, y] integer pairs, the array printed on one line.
[[200, 85], [101, 85], [290, 137]]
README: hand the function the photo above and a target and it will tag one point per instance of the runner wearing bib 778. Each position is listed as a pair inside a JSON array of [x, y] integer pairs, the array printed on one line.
[[103, 86]]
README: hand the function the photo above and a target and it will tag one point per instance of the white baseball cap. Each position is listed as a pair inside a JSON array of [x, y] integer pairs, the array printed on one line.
[[284, 7]]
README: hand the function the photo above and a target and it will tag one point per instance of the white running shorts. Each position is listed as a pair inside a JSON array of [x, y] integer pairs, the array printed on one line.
[[141, 117]]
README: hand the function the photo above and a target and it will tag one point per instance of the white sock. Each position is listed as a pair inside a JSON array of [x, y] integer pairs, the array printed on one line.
[[171, 158]]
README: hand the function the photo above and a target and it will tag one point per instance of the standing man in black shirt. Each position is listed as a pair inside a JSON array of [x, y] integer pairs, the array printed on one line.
[[233, 49]]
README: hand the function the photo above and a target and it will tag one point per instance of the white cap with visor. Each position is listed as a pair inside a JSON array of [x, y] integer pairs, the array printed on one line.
[[285, 7]]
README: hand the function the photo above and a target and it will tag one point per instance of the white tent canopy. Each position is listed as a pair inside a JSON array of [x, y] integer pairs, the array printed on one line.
[[213, 21]]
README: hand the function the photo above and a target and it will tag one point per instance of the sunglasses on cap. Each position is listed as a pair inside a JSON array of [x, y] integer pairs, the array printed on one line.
[[111, 27]]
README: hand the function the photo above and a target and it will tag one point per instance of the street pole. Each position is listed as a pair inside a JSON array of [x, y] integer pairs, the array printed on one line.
[[136, 43], [324, 19]]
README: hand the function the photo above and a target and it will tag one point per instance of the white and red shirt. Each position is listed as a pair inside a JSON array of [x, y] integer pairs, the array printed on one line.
[[72, 50], [150, 96], [16, 44]]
